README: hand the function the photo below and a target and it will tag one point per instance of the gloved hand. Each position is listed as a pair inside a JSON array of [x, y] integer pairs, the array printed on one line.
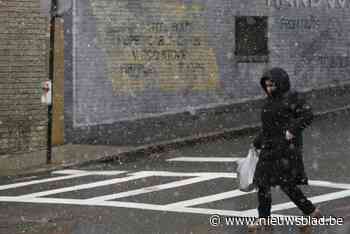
[[254, 148]]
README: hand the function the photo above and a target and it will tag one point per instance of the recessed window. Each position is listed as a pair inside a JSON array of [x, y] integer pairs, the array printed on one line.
[[251, 39]]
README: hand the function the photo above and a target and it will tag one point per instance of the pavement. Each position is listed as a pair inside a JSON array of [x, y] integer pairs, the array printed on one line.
[[71, 155], [326, 101], [176, 190]]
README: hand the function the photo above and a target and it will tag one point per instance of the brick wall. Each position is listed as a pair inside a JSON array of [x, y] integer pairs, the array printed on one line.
[[23, 66]]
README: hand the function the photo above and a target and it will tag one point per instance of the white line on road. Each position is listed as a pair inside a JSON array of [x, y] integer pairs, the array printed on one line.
[[84, 186], [191, 174], [132, 205], [181, 206], [149, 189], [316, 199], [137, 175], [208, 199], [329, 184], [204, 159], [75, 174]]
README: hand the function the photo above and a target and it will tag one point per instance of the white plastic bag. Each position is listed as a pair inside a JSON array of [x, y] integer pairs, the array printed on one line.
[[245, 170]]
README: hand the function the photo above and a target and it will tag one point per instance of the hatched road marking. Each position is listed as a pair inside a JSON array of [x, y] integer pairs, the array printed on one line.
[[180, 206]]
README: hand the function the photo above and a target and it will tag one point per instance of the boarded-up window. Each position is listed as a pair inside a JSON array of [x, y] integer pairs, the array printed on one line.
[[251, 39]]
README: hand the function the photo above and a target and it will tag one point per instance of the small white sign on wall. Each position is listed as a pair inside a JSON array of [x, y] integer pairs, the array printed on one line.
[[46, 96]]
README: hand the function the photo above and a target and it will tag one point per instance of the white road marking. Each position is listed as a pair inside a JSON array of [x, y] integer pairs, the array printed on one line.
[[204, 159], [208, 199], [218, 212], [329, 184], [75, 174], [149, 189], [69, 172], [316, 199], [137, 175], [181, 206], [191, 174], [131, 205], [84, 186]]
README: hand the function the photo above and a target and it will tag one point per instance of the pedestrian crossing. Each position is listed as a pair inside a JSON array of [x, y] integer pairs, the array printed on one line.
[[177, 181]]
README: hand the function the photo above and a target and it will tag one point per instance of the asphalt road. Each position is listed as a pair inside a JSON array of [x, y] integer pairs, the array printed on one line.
[[176, 191]]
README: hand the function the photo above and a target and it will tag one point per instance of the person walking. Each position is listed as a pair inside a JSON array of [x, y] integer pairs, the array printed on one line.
[[284, 116]]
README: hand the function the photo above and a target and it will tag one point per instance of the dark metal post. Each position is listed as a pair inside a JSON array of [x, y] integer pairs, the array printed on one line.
[[51, 77]]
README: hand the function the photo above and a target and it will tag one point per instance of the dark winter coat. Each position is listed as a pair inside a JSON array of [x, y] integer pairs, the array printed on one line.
[[280, 160]]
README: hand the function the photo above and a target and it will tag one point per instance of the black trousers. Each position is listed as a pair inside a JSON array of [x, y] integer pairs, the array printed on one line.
[[292, 191]]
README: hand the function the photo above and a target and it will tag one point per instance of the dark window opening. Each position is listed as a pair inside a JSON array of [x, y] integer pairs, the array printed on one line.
[[251, 39]]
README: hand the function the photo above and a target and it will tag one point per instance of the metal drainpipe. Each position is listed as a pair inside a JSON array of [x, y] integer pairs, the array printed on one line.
[[51, 77]]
